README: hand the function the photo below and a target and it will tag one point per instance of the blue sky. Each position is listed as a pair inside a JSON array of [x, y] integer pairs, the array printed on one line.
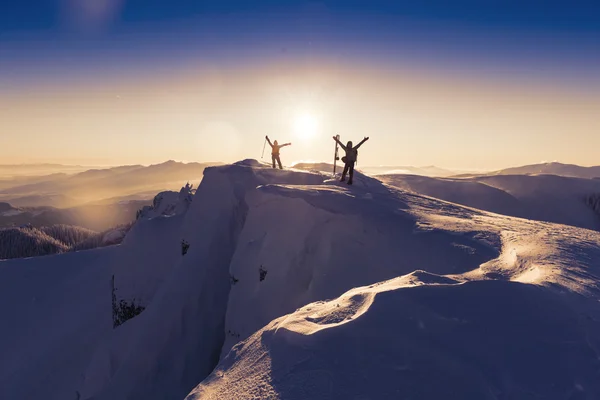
[[559, 39], [580, 15]]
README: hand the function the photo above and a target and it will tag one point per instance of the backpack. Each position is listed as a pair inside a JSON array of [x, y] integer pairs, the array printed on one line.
[[355, 156]]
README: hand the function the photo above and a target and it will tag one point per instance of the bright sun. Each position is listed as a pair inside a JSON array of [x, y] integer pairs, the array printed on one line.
[[305, 126]]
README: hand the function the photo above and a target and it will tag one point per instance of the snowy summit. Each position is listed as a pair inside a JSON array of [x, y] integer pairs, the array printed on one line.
[[287, 284]]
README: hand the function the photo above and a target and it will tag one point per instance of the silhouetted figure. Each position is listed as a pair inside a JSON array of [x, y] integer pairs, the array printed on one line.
[[275, 151], [350, 159]]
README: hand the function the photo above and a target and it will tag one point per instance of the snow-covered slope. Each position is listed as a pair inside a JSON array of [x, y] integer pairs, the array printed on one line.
[[430, 170], [421, 336], [60, 306], [55, 310], [541, 197], [341, 239], [497, 303], [183, 326], [525, 324]]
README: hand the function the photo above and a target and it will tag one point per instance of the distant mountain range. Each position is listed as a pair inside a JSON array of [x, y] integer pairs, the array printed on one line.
[[13, 170], [67, 187], [63, 190], [553, 168]]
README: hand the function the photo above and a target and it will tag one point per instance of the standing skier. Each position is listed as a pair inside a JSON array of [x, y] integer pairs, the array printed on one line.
[[350, 158], [275, 151]]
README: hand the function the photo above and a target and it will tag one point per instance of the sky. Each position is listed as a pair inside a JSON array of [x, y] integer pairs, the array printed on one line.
[[467, 84]]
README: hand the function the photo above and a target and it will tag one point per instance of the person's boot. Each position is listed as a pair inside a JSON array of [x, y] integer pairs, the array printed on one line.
[[349, 182], [343, 179]]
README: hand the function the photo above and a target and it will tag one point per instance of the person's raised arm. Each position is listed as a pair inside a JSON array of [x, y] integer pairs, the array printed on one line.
[[269, 141], [340, 143], [361, 143], [286, 144]]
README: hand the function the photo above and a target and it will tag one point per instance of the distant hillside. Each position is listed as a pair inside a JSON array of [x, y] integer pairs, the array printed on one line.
[[564, 200], [97, 217], [553, 168], [424, 171], [12, 181], [42, 200], [67, 234], [30, 241], [27, 242], [14, 170], [97, 184]]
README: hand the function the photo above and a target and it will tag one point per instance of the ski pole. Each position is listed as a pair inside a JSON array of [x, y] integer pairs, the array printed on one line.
[[335, 156], [263, 152]]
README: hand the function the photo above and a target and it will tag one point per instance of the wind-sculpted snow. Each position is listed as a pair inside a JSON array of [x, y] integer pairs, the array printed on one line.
[[408, 339], [341, 239]]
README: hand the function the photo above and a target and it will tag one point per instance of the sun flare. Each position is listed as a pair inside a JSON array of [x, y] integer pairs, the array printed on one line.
[[305, 126]]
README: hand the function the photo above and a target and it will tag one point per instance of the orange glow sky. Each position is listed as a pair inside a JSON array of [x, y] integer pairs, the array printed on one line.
[[412, 117]]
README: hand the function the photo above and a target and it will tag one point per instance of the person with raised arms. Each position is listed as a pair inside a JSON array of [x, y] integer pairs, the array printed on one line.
[[350, 158], [275, 147]]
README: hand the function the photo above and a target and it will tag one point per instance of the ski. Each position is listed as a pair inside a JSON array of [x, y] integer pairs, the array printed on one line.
[[335, 156]]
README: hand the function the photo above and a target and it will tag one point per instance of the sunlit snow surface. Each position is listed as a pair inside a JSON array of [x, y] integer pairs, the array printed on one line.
[[523, 324], [297, 286]]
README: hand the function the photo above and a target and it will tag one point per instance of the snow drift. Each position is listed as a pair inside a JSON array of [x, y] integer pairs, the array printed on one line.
[[421, 336]]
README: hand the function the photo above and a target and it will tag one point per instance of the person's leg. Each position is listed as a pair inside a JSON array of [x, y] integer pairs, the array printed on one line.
[[279, 162], [344, 173], [351, 170], [273, 159]]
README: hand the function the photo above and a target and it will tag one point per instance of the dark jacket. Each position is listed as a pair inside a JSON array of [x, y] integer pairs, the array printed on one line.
[[351, 152]]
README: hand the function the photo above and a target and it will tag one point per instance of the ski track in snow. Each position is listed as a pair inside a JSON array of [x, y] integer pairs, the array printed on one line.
[[299, 286]]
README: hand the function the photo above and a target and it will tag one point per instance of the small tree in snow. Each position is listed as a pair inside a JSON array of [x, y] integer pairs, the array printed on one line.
[[262, 273], [184, 247], [123, 311]]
